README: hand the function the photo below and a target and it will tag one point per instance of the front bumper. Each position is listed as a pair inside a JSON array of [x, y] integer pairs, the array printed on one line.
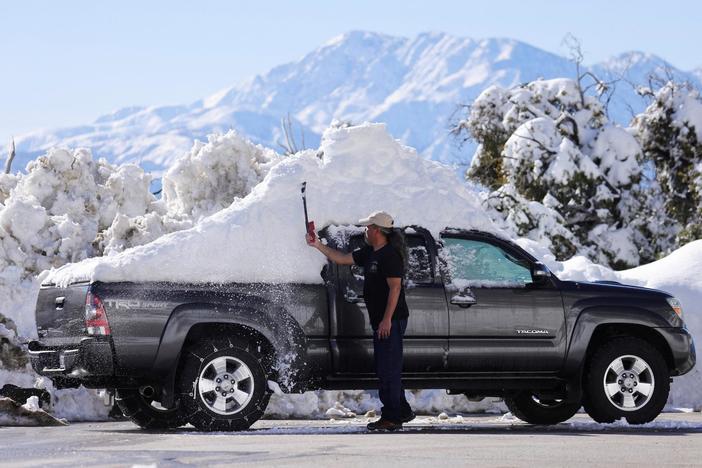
[[85, 360], [682, 348]]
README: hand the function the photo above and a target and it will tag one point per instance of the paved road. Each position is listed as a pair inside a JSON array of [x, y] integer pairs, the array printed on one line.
[[674, 439]]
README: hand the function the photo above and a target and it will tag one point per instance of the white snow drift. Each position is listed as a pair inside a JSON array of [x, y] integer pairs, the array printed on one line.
[[259, 238]]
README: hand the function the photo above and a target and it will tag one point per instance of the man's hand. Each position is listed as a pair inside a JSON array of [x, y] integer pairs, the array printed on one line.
[[312, 241], [384, 329], [334, 255]]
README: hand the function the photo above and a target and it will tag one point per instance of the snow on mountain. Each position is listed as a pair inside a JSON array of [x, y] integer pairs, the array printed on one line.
[[697, 73], [412, 84]]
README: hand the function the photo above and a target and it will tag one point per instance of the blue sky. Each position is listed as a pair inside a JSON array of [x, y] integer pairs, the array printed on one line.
[[65, 63]]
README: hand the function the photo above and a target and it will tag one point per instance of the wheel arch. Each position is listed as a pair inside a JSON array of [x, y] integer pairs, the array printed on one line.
[[607, 331], [270, 324], [597, 324]]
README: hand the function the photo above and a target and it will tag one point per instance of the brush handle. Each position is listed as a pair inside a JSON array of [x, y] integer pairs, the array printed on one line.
[[311, 230]]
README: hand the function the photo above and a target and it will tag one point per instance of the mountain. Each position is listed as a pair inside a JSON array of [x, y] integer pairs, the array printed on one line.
[[697, 72], [413, 84]]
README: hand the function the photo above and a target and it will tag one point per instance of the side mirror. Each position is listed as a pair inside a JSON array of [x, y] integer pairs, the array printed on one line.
[[540, 273]]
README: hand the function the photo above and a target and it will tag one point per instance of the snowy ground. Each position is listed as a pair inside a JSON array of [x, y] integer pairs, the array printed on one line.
[[484, 440]]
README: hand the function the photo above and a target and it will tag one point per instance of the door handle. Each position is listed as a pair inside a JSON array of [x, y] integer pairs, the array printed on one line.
[[352, 297], [59, 302], [463, 301]]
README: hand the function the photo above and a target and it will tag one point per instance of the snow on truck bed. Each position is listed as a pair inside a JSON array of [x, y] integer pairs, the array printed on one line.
[[260, 238]]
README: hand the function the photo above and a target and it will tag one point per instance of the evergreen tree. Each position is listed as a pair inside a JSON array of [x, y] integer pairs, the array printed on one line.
[[670, 132], [554, 149]]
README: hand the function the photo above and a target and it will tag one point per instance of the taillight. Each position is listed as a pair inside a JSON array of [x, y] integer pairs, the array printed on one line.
[[95, 316]]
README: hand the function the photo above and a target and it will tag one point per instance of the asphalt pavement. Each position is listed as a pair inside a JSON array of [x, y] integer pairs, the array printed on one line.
[[674, 439]]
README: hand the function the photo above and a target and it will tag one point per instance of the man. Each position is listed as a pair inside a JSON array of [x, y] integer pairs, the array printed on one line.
[[383, 260]]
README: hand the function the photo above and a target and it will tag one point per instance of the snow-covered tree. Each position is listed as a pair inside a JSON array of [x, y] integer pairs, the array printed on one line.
[[553, 145], [670, 132]]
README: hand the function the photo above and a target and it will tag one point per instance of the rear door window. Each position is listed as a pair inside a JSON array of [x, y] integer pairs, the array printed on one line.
[[419, 263]]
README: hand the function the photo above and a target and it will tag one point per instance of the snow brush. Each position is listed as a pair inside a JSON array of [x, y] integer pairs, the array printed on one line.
[[309, 225]]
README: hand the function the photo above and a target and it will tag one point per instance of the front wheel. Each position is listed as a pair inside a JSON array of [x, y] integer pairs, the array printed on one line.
[[626, 377], [223, 385], [529, 407]]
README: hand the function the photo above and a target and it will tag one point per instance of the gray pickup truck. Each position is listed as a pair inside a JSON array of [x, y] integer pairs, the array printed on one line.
[[486, 319]]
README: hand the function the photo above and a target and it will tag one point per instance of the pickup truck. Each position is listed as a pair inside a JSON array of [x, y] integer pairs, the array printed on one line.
[[486, 319]]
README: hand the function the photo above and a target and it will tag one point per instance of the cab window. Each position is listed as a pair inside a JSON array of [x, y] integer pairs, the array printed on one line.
[[473, 263]]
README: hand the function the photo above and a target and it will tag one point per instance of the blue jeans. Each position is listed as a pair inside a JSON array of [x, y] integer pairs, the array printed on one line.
[[388, 368]]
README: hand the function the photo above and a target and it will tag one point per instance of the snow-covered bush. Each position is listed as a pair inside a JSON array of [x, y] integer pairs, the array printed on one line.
[[205, 180], [54, 213], [670, 132], [7, 183], [214, 174]]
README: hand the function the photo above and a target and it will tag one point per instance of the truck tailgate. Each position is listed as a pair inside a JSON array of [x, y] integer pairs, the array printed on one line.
[[60, 313]]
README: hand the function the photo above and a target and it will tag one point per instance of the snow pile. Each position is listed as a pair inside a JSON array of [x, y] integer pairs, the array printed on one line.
[[362, 169], [77, 404], [13, 413]]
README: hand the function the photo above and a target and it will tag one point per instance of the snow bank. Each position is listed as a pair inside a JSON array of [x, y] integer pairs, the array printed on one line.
[[361, 169], [322, 404]]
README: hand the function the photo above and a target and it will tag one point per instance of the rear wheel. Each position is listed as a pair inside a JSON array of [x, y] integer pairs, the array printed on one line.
[[626, 377], [529, 407], [223, 384], [146, 412]]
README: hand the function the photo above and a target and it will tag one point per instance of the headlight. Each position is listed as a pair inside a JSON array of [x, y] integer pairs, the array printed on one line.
[[675, 304]]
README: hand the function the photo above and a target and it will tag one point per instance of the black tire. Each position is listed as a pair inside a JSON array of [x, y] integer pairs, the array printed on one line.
[[142, 412], [199, 360], [529, 408], [605, 409]]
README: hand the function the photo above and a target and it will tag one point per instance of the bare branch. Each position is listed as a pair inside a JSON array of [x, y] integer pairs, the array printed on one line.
[[10, 157], [568, 118], [290, 145]]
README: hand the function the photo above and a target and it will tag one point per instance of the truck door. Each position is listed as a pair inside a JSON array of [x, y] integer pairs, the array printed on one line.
[[500, 318], [426, 337]]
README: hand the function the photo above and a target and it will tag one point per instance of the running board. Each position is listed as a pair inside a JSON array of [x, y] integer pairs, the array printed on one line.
[[462, 382]]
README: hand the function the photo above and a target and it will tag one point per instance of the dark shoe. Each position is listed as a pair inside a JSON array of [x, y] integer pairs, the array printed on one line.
[[384, 425], [409, 417]]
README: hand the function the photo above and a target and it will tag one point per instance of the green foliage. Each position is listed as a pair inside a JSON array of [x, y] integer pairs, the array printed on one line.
[[672, 146]]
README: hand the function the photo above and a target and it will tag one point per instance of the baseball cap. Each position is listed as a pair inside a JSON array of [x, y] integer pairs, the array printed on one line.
[[379, 218]]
